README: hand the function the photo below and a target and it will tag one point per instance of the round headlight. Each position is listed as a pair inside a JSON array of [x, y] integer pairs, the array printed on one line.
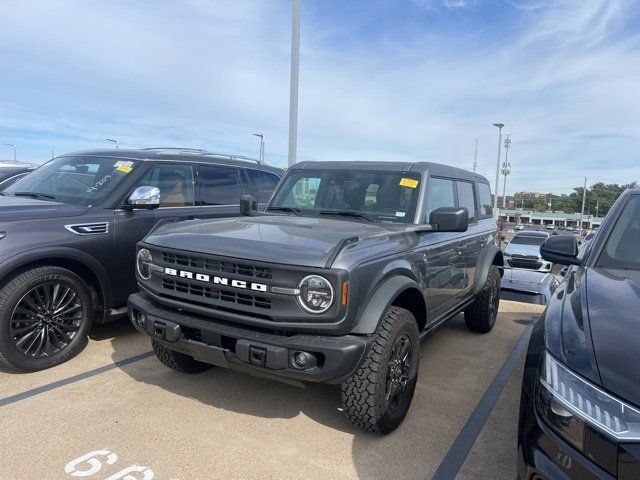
[[316, 294], [144, 263]]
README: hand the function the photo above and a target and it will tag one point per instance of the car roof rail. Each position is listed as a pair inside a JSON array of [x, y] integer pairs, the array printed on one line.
[[199, 151]]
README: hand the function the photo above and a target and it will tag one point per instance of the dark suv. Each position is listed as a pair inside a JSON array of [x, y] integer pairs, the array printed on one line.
[[350, 266], [580, 400], [68, 234]]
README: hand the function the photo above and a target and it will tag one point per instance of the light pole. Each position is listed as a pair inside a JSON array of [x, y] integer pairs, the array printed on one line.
[[14, 149], [506, 169], [261, 136], [293, 86], [475, 158], [495, 193], [112, 141]]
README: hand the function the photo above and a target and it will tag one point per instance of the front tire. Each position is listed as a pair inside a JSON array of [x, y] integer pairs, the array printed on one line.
[[481, 315], [377, 397], [178, 361], [45, 316]]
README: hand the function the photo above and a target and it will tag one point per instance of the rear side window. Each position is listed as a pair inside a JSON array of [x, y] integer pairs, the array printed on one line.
[[264, 182], [484, 192], [439, 194], [466, 198], [175, 182], [220, 185]]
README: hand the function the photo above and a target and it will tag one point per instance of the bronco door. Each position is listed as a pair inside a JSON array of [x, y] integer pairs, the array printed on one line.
[[443, 253]]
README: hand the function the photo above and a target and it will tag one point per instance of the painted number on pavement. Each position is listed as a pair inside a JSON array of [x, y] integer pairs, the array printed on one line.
[[91, 463]]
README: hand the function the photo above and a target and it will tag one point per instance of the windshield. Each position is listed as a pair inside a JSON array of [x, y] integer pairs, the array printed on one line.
[[622, 250], [80, 180], [372, 195], [528, 240]]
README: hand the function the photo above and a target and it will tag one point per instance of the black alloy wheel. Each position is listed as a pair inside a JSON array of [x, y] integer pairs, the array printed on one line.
[[46, 320]]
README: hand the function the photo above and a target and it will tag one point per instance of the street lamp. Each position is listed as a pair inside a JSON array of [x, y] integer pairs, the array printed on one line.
[[293, 82], [261, 136], [506, 169], [112, 141], [495, 194], [14, 149]]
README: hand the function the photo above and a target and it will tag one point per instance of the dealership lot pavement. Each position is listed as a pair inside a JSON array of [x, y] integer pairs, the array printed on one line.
[[221, 424]]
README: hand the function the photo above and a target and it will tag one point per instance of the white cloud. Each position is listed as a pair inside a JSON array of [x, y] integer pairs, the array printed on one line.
[[211, 73]]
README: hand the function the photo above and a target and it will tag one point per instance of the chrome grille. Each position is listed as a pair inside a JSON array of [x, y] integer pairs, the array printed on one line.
[[215, 293], [217, 266]]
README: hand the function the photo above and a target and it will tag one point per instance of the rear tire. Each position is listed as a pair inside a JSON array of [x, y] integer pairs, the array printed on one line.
[[377, 397], [45, 316], [481, 315], [178, 361]]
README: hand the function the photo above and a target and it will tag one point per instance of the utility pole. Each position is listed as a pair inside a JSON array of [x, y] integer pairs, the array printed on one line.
[[293, 86], [506, 169], [112, 141], [475, 159], [584, 197], [500, 126]]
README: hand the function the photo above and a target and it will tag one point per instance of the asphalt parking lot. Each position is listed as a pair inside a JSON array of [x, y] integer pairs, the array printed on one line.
[[222, 424]]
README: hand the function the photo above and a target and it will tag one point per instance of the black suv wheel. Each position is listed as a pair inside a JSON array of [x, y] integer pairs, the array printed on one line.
[[377, 397], [481, 315], [45, 314]]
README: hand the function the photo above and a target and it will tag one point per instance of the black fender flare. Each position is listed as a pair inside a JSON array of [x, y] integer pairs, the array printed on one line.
[[491, 255], [379, 301], [43, 254]]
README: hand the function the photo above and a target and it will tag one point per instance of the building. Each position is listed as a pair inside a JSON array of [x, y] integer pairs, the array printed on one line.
[[556, 219]]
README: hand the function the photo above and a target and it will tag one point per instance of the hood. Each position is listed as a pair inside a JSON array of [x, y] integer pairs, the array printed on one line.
[[521, 249], [304, 241], [524, 280], [25, 208], [614, 303]]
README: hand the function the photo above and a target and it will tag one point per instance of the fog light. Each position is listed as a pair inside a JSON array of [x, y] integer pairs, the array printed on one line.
[[141, 318], [300, 359]]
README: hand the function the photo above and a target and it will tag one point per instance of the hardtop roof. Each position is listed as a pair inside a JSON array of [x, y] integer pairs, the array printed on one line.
[[434, 169]]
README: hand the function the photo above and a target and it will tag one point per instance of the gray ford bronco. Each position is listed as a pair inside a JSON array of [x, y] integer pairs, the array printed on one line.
[[337, 281]]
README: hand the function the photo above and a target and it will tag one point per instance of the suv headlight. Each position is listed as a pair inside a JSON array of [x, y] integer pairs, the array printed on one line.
[[316, 294], [144, 263]]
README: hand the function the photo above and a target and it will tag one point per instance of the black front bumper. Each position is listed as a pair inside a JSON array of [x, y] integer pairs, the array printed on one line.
[[333, 358]]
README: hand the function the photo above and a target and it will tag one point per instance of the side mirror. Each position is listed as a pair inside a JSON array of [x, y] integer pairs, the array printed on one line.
[[562, 249], [144, 197], [248, 205], [449, 219]]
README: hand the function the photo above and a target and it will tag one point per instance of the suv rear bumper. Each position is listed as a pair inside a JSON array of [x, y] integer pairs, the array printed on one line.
[[333, 358]]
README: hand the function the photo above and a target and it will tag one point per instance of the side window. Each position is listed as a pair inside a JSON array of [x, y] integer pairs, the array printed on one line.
[[439, 194], [220, 185], [175, 183], [264, 181], [466, 198], [486, 210]]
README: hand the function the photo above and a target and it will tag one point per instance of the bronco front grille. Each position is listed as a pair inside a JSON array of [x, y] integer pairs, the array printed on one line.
[[216, 266], [215, 293]]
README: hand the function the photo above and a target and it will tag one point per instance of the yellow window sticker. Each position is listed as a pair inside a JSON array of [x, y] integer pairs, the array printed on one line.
[[123, 166], [408, 182]]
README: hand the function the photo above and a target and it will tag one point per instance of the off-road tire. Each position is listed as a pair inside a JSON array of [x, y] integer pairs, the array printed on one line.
[[481, 315], [12, 293], [363, 394], [178, 361]]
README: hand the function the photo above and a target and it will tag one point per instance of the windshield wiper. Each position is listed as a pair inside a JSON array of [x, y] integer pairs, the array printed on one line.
[[295, 211], [41, 196], [348, 214]]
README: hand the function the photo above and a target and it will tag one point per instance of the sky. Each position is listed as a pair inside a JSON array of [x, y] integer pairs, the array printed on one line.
[[392, 80]]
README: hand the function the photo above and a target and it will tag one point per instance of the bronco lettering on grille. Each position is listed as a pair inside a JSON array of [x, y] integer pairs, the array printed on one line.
[[203, 277]]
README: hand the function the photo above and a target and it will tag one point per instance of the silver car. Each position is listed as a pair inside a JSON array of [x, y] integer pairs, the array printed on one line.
[[523, 251]]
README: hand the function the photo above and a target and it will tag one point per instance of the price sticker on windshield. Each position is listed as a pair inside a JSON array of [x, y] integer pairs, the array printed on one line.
[[408, 182], [123, 166]]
